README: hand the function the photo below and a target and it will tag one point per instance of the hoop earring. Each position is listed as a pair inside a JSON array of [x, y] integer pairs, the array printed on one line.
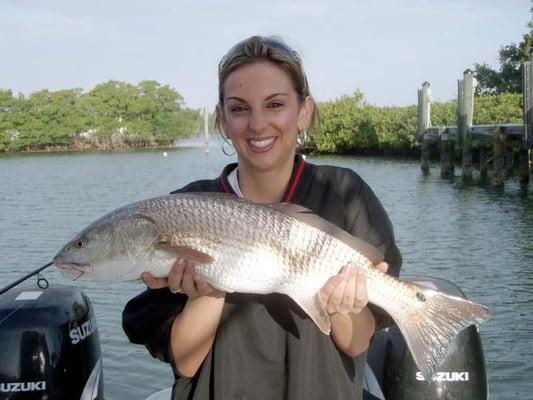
[[226, 141], [301, 138]]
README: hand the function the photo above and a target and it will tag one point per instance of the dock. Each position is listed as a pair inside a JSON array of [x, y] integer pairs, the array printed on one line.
[[505, 140]]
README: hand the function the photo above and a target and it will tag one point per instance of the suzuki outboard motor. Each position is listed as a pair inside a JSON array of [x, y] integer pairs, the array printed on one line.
[[462, 374], [49, 345]]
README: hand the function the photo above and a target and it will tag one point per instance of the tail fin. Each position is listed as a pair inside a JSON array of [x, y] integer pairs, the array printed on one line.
[[433, 322]]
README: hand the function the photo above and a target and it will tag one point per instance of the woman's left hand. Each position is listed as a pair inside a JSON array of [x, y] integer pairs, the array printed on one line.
[[346, 293]]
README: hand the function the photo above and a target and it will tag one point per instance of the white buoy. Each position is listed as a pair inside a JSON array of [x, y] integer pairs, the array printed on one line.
[[164, 154]]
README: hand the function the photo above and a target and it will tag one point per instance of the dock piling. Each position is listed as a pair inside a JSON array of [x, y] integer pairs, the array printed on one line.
[[447, 151], [499, 164], [527, 142], [483, 161], [523, 167], [466, 111], [509, 160], [424, 123], [509, 140]]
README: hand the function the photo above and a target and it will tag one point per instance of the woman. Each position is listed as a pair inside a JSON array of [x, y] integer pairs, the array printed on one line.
[[244, 346]]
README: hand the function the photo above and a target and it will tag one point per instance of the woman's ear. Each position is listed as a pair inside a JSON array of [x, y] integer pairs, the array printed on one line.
[[307, 109]]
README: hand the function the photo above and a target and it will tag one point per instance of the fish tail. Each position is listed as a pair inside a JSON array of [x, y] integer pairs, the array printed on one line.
[[431, 324]]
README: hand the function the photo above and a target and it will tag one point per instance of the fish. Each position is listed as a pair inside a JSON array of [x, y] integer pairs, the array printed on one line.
[[241, 246]]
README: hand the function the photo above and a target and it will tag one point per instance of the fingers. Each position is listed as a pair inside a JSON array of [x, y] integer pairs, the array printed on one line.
[[202, 287], [187, 280], [382, 266], [348, 298], [175, 276], [345, 293], [183, 278], [361, 295], [154, 282], [337, 295], [328, 288]]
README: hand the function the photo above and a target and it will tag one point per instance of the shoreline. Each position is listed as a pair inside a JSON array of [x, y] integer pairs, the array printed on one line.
[[399, 154], [86, 149]]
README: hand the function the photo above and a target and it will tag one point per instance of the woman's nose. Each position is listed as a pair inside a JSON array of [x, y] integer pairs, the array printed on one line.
[[257, 121]]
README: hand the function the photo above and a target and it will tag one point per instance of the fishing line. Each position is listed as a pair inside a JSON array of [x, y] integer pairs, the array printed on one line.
[[41, 282]]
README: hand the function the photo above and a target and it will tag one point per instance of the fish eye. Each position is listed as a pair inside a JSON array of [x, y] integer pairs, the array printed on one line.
[[80, 243]]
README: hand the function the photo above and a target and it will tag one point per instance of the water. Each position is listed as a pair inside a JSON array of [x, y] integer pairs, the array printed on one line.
[[476, 236]]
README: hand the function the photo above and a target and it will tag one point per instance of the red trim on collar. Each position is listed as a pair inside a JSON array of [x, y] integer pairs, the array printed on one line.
[[295, 182], [225, 185]]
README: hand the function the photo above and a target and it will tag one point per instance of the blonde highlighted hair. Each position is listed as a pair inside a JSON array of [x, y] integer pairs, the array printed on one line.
[[271, 49]]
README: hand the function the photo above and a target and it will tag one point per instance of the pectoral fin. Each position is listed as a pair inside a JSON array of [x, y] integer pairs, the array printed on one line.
[[185, 252]]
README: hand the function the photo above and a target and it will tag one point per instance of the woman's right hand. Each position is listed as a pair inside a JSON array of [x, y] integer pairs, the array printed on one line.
[[183, 278]]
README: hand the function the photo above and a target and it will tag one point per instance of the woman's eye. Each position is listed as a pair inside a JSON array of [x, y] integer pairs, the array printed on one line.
[[237, 108], [275, 105]]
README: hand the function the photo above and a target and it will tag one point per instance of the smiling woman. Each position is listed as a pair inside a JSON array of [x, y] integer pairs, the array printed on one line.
[[233, 345], [264, 104], [262, 115]]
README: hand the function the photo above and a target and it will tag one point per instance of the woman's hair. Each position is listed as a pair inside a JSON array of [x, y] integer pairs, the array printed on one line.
[[271, 49]]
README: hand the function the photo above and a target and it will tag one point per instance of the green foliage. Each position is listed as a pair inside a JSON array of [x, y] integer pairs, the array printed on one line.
[[112, 114], [350, 125], [344, 126], [444, 114], [508, 79], [7, 107], [505, 108]]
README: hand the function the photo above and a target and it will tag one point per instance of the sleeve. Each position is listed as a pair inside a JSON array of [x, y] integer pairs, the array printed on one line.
[[148, 317], [367, 219]]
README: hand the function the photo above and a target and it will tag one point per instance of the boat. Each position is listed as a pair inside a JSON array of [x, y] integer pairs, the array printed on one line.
[[50, 350]]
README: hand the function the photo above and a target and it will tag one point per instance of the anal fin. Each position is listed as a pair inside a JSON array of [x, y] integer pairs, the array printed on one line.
[[311, 304]]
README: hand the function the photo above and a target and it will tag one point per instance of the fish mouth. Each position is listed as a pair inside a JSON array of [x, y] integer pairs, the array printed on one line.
[[72, 269]]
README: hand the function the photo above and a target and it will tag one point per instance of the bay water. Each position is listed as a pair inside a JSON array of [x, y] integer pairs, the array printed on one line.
[[474, 235]]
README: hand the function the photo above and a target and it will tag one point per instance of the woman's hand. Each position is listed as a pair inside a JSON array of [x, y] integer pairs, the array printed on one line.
[[346, 293], [345, 299], [183, 278]]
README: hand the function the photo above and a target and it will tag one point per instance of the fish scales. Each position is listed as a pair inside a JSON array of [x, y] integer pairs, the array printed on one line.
[[262, 248]]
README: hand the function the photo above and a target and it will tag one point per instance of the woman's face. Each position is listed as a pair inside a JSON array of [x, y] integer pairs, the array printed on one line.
[[262, 116]]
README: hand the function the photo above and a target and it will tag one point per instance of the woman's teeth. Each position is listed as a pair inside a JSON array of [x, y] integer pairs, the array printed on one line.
[[262, 143]]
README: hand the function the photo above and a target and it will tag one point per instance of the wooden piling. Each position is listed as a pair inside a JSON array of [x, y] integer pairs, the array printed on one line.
[[527, 142], [467, 111], [447, 162], [459, 115], [509, 159], [425, 156], [483, 161], [424, 123], [523, 167], [499, 165], [508, 139]]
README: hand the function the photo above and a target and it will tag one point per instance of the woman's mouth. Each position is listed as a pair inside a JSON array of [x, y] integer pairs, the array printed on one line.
[[261, 145]]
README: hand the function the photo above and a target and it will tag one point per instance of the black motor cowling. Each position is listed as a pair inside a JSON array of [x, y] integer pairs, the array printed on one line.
[[49, 345], [462, 374]]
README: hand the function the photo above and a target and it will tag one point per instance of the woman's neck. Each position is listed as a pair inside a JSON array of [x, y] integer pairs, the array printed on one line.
[[265, 186]]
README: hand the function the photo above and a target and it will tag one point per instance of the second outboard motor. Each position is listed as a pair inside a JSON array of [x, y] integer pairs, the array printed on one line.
[[461, 376], [49, 345]]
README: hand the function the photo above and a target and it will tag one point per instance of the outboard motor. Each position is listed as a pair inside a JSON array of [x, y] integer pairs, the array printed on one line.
[[462, 374], [49, 345]]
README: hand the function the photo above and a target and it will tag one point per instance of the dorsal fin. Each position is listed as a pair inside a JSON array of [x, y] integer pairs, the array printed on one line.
[[310, 218]]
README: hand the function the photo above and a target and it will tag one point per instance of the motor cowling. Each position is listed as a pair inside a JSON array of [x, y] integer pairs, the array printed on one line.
[[49, 345], [462, 375]]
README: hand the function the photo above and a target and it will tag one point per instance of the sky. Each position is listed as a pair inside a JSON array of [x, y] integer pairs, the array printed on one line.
[[385, 48]]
